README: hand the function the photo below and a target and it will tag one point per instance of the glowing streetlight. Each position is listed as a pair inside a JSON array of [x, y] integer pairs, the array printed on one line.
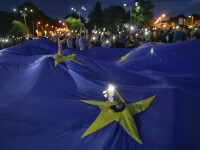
[[38, 23], [160, 19], [130, 13], [192, 17], [83, 8], [46, 25], [24, 14], [79, 12]]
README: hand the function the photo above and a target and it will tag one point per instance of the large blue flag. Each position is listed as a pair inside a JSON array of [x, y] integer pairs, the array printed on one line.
[[52, 103]]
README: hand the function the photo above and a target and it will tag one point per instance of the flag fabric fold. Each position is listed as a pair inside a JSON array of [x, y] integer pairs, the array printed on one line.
[[41, 104]]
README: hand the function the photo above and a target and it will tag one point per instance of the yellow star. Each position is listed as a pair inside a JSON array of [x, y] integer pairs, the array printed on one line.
[[124, 57], [71, 57], [124, 118]]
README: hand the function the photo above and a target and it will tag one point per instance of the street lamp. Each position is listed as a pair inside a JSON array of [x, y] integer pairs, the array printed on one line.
[[192, 17], [46, 25], [79, 11], [163, 15], [130, 13], [83, 8], [38, 23], [160, 19], [24, 14]]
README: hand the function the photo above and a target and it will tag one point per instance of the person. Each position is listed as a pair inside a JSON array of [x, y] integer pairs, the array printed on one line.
[[94, 31], [83, 42], [70, 41], [121, 40], [119, 105], [76, 41], [197, 32], [60, 51], [177, 37], [131, 42]]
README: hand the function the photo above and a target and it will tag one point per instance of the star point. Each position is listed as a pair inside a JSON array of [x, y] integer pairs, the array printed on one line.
[[71, 57], [124, 57], [124, 118]]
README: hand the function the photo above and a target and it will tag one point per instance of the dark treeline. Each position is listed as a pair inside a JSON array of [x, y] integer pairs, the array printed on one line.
[[109, 18]]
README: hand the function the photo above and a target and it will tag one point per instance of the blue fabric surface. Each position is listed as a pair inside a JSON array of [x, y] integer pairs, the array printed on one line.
[[41, 108]]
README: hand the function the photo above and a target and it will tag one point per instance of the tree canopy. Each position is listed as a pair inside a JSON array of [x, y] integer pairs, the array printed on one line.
[[76, 16], [18, 29], [142, 12], [73, 23], [108, 18], [95, 16]]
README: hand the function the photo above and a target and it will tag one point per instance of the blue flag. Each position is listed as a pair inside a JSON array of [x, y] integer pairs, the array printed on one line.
[[48, 103]]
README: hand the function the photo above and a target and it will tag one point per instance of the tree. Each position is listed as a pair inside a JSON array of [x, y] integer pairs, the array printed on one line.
[[73, 23], [111, 19], [18, 29], [6, 19], [95, 16], [108, 18], [142, 12], [76, 16]]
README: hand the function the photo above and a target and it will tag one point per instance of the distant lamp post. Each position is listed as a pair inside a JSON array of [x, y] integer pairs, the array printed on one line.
[[130, 9], [160, 20], [38, 23], [192, 19], [163, 16], [83, 8], [46, 25], [79, 11], [24, 14]]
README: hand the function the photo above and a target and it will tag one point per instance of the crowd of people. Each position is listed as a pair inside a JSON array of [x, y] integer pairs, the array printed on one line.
[[124, 38], [128, 38]]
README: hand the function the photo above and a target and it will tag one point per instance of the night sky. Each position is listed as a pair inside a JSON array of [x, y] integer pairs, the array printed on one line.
[[60, 8]]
